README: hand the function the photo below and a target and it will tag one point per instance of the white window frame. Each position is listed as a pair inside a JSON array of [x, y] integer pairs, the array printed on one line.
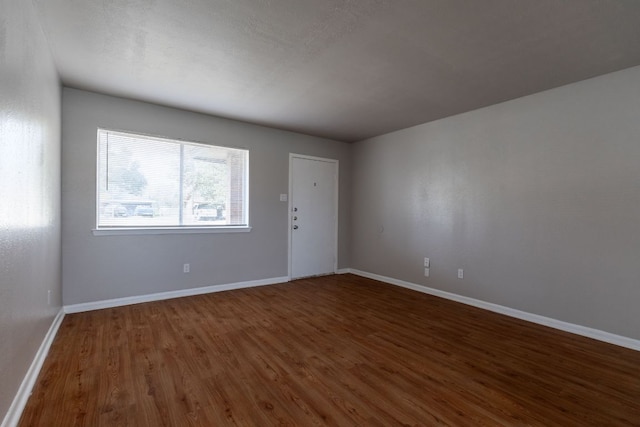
[[179, 229]]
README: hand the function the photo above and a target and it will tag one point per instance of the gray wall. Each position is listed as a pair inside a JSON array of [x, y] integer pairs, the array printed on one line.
[[538, 199], [103, 267], [29, 193]]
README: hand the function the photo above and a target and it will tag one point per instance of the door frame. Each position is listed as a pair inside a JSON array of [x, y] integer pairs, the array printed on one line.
[[290, 208]]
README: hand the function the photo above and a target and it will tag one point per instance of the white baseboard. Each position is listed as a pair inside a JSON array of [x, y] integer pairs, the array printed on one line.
[[12, 417], [343, 271], [523, 315], [118, 302]]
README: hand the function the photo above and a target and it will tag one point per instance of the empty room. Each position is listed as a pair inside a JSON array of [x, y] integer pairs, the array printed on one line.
[[331, 212]]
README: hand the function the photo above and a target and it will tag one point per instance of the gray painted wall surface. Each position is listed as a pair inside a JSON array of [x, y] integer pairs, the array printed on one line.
[[29, 193], [538, 199], [102, 267]]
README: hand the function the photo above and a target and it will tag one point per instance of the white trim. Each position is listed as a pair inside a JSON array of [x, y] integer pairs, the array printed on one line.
[[523, 315], [289, 215], [118, 302], [319, 159], [14, 413], [290, 206], [343, 271], [169, 230], [336, 214]]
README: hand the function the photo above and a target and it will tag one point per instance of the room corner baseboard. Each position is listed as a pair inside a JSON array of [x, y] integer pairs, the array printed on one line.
[[12, 417], [518, 314], [343, 271], [118, 302]]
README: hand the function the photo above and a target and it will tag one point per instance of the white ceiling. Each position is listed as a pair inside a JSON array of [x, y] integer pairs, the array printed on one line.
[[342, 69]]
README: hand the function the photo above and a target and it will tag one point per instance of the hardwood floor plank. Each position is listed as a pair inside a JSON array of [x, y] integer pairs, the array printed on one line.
[[336, 350]]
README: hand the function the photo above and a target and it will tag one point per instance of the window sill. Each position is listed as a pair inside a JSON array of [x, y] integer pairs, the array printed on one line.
[[168, 230]]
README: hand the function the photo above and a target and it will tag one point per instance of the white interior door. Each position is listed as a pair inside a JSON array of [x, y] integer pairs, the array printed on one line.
[[313, 216]]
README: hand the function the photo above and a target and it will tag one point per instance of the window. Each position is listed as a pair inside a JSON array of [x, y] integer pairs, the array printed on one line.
[[150, 182]]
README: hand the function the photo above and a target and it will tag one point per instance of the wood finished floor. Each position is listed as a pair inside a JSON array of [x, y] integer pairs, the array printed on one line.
[[337, 350]]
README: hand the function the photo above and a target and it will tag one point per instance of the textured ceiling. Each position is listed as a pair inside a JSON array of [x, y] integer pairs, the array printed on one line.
[[342, 69]]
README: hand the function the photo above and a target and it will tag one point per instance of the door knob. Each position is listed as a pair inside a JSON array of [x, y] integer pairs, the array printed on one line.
[[295, 227]]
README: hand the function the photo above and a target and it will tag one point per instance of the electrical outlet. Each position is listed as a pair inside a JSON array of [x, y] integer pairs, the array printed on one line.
[[426, 272], [460, 273], [186, 268], [426, 262]]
